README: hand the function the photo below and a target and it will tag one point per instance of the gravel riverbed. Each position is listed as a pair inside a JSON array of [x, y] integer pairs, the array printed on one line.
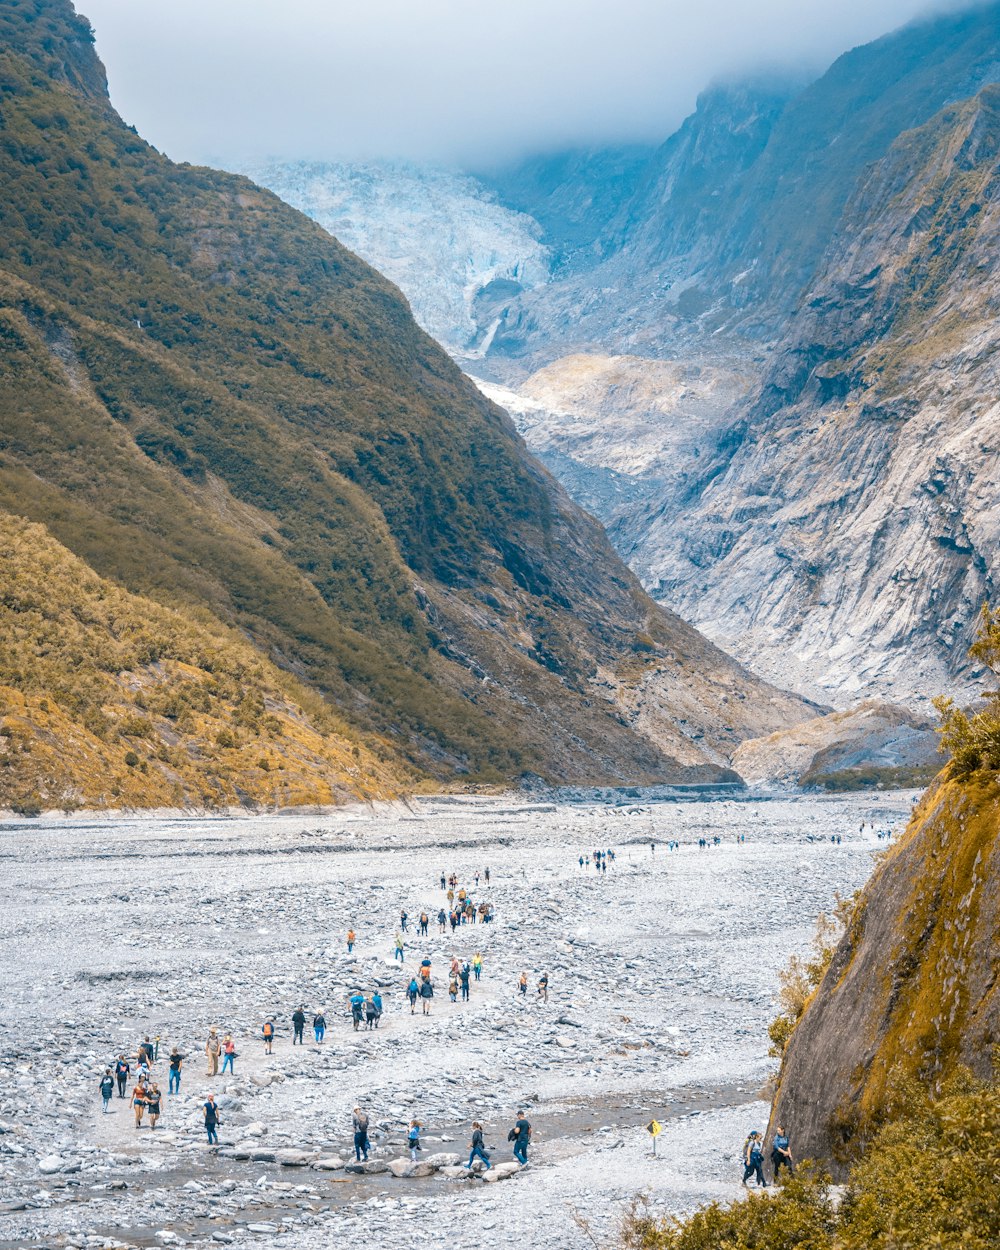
[[662, 980]]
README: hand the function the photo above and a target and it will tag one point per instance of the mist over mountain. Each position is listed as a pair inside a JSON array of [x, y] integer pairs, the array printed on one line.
[[802, 465]]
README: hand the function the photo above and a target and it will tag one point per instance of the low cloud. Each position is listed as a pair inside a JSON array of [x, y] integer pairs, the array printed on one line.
[[446, 80]]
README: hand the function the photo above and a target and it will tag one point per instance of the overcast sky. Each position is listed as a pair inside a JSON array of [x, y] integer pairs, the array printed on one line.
[[465, 80]]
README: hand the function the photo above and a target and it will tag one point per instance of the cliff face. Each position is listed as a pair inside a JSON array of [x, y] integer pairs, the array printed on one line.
[[212, 403], [912, 990], [853, 523]]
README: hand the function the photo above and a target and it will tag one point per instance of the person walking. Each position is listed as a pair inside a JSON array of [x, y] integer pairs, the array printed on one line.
[[267, 1033], [753, 1159], [228, 1054], [107, 1088], [122, 1071], [413, 1138], [377, 1004], [357, 1005], [463, 976], [298, 1024], [543, 987], [319, 1026], [453, 989], [212, 1121], [413, 993], [477, 965], [442, 921], [424, 922], [212, 1048], [360, 1121], [781, 1154], [522, 985], [399, 948], [372, 1013], [520, 1135], [350, 940], [153, 1098], [486, 874], [403, 918], [477, 1148], [174, 1078], [426, 994], [139, 1101]]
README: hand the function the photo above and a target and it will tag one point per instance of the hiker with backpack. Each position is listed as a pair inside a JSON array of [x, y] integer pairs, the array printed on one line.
[[360, 1121], [413, 1139], [122, 1071], [464, 973], [753, 1159], [426, 994], [267, 1033], [319, 1026], [413, 993], [357, 1005]]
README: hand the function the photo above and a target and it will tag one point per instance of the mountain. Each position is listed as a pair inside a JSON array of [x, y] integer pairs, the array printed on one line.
[[853, 519], [213, 404], [111, 700], [473, 254]]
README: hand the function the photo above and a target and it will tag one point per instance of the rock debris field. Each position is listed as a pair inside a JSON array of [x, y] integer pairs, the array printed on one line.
[[662, 980]]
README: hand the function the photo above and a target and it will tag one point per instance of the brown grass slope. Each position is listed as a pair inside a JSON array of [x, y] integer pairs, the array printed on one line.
[[111, 700], [214, 404]]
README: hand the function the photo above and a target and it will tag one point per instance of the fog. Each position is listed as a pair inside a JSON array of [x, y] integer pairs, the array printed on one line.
[[446, 80]]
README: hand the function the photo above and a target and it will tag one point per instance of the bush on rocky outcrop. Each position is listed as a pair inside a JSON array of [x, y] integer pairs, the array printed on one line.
[[973, 741], [799, 980], [927, 1180]]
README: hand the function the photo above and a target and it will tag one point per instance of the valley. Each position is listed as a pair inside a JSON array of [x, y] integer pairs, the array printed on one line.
[[662, 976]]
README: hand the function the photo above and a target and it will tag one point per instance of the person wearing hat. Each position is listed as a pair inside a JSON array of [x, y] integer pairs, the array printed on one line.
[[753, 1159], [212, 1048]]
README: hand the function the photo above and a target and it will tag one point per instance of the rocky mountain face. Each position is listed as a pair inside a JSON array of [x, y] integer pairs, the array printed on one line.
[[853, 524], [911, 992], [214, 404]]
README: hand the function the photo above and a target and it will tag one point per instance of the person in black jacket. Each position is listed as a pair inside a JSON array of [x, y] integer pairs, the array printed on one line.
[[298, 1024], [478, 1150]]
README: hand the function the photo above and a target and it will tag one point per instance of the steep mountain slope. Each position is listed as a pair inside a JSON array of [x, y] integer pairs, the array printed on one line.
[[912, 989], [856, 521], [110, 700], [458, 254], [213, 403]]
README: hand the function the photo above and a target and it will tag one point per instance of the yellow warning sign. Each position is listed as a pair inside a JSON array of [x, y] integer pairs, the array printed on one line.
[[654, 1128]]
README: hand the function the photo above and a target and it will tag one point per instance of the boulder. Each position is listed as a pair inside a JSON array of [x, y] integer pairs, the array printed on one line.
[[404, 1169], [444, 1159], [456, 1173], [330, 1163], [50, 1164], [293, 1158], [501, 1172]]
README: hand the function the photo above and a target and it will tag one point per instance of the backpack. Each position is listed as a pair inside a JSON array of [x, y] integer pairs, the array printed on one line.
[[268, 1029]]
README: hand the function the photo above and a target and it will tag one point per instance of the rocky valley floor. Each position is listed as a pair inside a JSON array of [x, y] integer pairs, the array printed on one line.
[[662, 974]]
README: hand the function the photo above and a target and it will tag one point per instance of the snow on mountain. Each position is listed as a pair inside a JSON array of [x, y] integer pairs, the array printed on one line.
[[458, 255]]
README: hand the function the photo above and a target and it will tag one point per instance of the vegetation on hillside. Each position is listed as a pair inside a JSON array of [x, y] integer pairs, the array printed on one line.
[[111, 700], [215, 405], [973, 741], [928, 1180]]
